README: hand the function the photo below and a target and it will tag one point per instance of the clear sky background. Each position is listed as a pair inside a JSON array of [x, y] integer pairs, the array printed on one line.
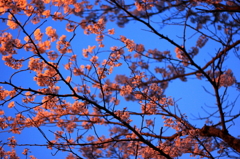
[[190, 96]]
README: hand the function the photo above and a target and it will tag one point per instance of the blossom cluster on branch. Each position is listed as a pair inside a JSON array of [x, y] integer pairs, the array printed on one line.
[[111, 97]]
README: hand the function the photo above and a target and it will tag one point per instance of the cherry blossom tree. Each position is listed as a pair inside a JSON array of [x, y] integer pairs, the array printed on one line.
[[74, 74]]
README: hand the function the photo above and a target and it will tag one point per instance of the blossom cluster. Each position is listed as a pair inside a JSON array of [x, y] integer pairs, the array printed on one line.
[[97, 28], [51, 33], [226, 79], [129, 43], [63, 45], [15, 5], [8, 44], [182, 55]]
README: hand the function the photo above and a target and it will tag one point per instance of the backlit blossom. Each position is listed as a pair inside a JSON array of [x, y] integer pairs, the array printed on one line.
[[43, 46], [179, 53], [87, 89], [226, 79], [35, 19], [111, 31], [26, 38], [11, 104], [202, 40], [38, 35], [25, 151], [77, 71], [70, 27], [90, 49], [88, 67], [149, 122], [95, 28], [52, 55], [51, 33], [12, 141], [12, 62], [94, 59], [58, 16], [140, 48], [11, 23], [46, 1], [46, 13], [32, 157], [139, 6], [90, 138], [36, 64], [68, 79], [182, 56], [1, 112], [129, 43], [63, 46], [73, 57], [126, 90]]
